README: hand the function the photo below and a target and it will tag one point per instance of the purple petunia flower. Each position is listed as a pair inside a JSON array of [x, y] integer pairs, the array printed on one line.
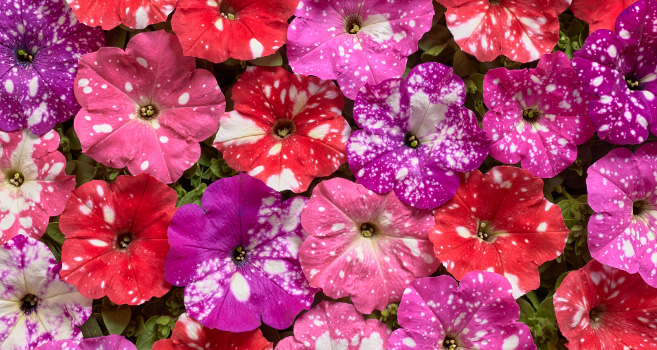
[[621, 191], [238, 256], [358, 41], [537, 116], [435, 312], [621, 70], [416, 136], [110, 342], [40, 43]]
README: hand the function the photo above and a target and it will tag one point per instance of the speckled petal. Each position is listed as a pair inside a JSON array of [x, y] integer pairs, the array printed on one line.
[[109, 342], [135, 14], [634, 27], [599, 14]]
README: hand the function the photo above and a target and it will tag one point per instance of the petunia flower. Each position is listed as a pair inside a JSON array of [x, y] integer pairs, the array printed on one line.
[[37, 306], [499, 222], [621, 192], [521, 31], [136, 14], [40, 43], [286, 128], [621, 71], [600, 307], [147, 107], [189, 334], [33, 184], [238, 256], [116, 238], [537, 116], [599, 14], [332, 325], [416, 136], [480, 313], [216, 30], [109, 342], [364, 245], [356, 42]]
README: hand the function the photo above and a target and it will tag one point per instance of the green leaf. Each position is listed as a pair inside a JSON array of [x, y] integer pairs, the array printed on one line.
[[533, 298], [115, 317], [91, 329], [148, 335], [193, 196], [273, 60], [54, 239], [526, 310]]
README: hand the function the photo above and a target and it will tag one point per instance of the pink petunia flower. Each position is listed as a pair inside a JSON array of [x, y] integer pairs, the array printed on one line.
[[364, 245], [286, 128], [357, 42], [189, 334], [522, 31], [135, 14], [599, 14], [480, 313], [499, 222], [621, 191], [33, 184], [146, 107], [242, 29], [599, 307], [109, 342], [537, 116], [116, 238], [331, 325]]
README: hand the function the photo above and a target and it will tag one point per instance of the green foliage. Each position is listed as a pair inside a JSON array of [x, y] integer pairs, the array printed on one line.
[[115, 317], [576, 213], [54, 239]]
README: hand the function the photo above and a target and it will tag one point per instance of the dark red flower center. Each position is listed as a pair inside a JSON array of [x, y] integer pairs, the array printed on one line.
[[368, 229], [239, 255], [24, 56], [641, 207], [123, 240], [227, 11], [29, 303], [595, 315], [352, 24], [450, 343], [485, 231], [494, 2], [148, 111], [531, 115], [15, 178], [633, 83], [411, 141], [284, 128]]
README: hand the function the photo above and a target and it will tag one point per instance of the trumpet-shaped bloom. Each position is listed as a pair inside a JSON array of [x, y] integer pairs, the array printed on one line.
[[135, 14]]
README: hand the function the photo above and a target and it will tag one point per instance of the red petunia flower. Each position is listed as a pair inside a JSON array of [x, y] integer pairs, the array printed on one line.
[[499, 222], [243, 29], [286, 128], [116, 238], [131, 13], [189, 334], [600, 14]]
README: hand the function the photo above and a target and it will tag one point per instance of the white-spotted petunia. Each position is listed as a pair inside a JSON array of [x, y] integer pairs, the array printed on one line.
[[132, 13], [109, 342]]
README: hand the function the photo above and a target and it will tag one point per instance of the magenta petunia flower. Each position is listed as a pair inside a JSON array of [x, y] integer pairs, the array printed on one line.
[[357, 42], [286, 129], [40, 43], [621, 71], [537, 116], [242, 29], [110, 342], [621, 191], [332, 325], [364, 245], [246, 266], [437, 313], [135, 14], [147, 107], [37, 306], [116, 238], [416, 136], [33, 184], [599, 14], [521, 31], [599, 307], [499, 222]]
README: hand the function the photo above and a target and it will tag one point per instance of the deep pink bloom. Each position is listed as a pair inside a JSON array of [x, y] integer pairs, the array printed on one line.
[[499, 222], [110, 342], [33, 184], [146, 108], [332, 325], [132, 13], [522, 31], [599, 307], [286, 129]]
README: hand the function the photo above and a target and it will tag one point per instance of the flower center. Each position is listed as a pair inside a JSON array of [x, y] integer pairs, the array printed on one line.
[[148, 111], [641, 207], [24, 56], [596, 314], [284, 128], [368, 229], [485, 231], [531, 115], [450, 343], [124, 240], [29, 303], [352, 24], [227, 11], [633, 84], [494, 2], [16, 178], [239, 255], [412, 141]]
